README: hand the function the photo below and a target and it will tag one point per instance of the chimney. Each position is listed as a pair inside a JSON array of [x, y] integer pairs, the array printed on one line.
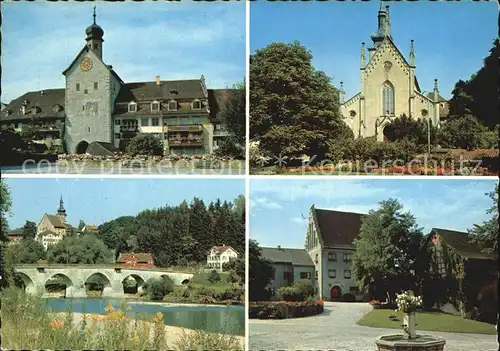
[[157, 80], [42, 92], [279, 247]]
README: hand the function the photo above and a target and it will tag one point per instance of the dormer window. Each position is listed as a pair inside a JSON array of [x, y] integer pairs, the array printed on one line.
[[155, 106], [57, 108], [8, 112], [132, 107], [22, 110], [172, 105], [35, 109], [196, 105], [174, 92]]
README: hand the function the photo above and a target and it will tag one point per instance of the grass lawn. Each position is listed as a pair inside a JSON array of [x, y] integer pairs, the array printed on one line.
[[431, 321]]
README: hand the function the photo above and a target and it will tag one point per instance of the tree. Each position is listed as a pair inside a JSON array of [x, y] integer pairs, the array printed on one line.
[[6, 268], [294, 107], [32, 252], [478, 96], [386, 250], [214, 277], [261, 272], [465, 132], [81, 225], [144, 144], [234, 113], [409, 128], [237, 266], [486, 233], [5, 205], [85, 249], [157, 288], [29, 230]]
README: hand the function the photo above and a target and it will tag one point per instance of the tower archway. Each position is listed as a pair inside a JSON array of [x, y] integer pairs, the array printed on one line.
[[81, 147]]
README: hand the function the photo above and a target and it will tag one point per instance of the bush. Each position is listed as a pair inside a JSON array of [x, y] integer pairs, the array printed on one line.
[[214, 277], [233, 278], [144, 144], [279, 310], [158, 288], [290, 293], [305, 287]]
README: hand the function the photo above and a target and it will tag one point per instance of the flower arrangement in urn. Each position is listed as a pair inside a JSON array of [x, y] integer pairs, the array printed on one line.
[[407, 303]]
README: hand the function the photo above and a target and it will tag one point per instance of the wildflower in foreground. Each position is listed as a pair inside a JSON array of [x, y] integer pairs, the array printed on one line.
[[109, 308], [57, 324], [158, 317]]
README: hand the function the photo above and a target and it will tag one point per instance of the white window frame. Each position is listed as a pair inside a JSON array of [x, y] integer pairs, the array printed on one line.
[[193, 104], [158, 104], [130, 104], [176, 105]]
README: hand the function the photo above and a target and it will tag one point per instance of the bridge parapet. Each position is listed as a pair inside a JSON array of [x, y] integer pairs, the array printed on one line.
[[36, 276]]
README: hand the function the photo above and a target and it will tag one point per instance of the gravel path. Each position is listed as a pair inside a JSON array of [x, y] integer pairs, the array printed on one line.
[[336, 330]]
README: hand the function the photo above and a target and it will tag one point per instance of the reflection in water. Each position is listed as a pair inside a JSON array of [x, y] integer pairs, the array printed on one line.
[[219, 319]]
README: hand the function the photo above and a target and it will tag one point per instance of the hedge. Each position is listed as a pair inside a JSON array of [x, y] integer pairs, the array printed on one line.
[[284, 309]]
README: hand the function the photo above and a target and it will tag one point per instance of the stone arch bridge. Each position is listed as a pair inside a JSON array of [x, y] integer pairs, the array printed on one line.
[[75, 277]]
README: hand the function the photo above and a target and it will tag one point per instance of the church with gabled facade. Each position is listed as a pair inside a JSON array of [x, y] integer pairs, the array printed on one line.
[[388, 87]]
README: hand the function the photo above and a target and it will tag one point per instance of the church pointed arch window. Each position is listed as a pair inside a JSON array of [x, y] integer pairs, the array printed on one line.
[[387, 99]]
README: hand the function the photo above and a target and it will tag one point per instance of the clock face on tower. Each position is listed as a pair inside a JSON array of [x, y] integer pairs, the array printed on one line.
[[86, 64]]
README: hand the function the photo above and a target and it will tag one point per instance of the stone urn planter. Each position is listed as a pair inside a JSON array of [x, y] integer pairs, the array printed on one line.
[[398, 342], [409, 325], [409, 340]]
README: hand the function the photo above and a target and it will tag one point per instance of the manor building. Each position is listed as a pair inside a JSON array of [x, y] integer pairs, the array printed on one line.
[[97, 106], [325, 259], [389, 87]]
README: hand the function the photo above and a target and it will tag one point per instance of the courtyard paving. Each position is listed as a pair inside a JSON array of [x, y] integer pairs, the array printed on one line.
[[336, 330]]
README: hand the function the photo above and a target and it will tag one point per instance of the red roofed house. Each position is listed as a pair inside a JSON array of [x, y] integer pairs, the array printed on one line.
[[218, 255], [132, 259], [15, 236]]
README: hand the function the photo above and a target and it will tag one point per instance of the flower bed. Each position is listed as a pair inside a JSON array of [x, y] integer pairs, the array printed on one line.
[[284, 309]]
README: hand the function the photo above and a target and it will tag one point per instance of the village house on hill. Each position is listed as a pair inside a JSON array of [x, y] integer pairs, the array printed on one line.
[[218, 255], [53, 228]]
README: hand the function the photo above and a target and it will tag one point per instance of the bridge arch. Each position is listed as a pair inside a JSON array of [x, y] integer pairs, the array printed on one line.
[[96, 281], [25, 282], [131, 287], [58, 282]]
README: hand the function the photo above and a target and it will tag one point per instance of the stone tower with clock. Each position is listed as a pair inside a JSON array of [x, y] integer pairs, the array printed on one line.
[[389, 87], [91, 90]]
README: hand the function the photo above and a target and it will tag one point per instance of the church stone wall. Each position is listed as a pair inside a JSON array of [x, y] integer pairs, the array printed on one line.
[[88, 115]]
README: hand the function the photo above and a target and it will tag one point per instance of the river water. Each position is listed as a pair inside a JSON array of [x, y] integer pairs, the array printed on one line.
[[218, 319]]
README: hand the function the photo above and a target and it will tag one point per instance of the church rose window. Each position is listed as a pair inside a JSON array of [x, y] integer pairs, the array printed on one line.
[[387, 99]]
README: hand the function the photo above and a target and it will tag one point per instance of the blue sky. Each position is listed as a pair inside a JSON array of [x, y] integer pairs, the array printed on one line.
[[277, 207], [141, 40], [96, 201], [451, 38]]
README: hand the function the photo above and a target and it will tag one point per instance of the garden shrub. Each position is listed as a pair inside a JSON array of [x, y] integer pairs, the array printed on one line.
[[144, 144], [305, 287], [290, 293], [158, 288], [281, 309], [214, 277]]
